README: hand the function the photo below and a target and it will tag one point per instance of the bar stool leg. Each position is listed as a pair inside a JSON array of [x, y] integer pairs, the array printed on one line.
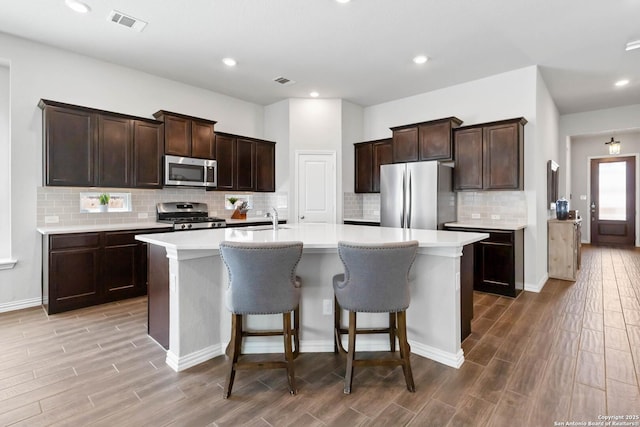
[[392, 332], [296, 331], [234, 347], [351, 353], [405, 353], [288, 351]]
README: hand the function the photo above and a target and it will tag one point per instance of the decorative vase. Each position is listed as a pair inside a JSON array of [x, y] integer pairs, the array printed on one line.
[[103, 208], [562, 209]]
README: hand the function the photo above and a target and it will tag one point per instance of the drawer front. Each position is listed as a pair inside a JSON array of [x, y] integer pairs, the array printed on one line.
[[499, 237], [76, 240], [117, 238]]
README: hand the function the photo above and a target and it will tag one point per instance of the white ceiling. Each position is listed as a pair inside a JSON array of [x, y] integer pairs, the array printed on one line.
[[359, 51]]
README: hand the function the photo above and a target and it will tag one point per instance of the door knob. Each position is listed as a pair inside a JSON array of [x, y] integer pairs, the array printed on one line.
[[302, 217]]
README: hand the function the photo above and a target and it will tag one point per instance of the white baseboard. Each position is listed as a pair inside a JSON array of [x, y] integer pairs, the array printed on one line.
[[538, 286], [180, 363], [318, 346], [19, 305]]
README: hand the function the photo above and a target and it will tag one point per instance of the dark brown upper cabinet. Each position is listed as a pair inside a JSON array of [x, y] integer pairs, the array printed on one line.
[[86, 147], [69, 144], [265, 166], [187, 136], [147, 155], [369, 156], [490, 156], [430, 140], [245, 164]]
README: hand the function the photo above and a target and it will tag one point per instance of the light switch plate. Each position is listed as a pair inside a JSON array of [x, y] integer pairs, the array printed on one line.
[[475, 216], [495, 216], [327, 307], [52, 219], [583, 197]]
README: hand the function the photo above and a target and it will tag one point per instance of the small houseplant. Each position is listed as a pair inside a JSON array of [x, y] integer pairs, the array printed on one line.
[[104, 201]]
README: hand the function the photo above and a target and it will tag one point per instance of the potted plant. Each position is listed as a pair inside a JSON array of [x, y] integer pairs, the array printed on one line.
[[104, 202]]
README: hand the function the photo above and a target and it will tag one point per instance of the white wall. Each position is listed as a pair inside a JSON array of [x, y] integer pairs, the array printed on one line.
[[276, 128], [583, 149], [5, 166], [352, 126], [503, 96], [592, 122], [546, 147], [39, 71]]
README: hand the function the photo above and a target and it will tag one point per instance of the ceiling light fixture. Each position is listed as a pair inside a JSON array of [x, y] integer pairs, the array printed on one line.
[[343, 1], [229, 62], [314, 94], [622, 82], [77, 6], [633, 45], [614, 146], [420, 59]]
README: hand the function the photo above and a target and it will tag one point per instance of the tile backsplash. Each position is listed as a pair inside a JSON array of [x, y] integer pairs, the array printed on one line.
[[509, 206], [64, 203]]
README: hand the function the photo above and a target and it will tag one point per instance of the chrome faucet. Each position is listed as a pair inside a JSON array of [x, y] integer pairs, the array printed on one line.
[[274, 217]]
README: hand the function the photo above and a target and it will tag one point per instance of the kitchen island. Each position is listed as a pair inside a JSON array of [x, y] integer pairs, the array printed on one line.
[[199, 323]]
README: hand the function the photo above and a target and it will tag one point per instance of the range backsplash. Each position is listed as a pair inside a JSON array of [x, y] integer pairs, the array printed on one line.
[[64, 202]]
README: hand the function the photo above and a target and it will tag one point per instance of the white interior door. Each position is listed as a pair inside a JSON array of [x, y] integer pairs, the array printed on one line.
[[316, 186]]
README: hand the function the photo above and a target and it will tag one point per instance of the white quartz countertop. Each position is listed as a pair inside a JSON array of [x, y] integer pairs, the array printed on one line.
[[64, 229], [512, 226], [314, 236]]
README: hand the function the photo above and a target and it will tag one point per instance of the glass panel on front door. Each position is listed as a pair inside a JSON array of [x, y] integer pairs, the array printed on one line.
[[612, 191]]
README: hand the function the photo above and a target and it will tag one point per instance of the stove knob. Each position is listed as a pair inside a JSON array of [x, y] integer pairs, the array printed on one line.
[[189, 225], [183, 226]]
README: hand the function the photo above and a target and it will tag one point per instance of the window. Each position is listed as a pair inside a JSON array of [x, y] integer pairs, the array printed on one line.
[[612, 185]]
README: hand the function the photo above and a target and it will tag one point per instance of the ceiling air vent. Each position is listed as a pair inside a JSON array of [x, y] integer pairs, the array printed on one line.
[[284, 81], [126, 20]]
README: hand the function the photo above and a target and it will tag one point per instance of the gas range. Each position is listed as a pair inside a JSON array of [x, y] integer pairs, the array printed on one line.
[[187, 216]]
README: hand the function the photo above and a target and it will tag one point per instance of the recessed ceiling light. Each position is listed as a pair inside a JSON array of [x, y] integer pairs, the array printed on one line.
[[633, 45], [314, 94], [622, 82], [229, 62], [77, 6], [343, 1], [420, 59]]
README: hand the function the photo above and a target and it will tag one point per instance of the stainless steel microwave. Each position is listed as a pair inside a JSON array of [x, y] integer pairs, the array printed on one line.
[[190, 172]]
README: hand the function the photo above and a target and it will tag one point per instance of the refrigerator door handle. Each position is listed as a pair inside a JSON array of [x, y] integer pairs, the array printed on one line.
[[409, 203], [404, 199]]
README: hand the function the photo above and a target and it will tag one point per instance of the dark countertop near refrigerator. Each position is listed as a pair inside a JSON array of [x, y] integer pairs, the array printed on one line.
[[487, 225], [361, 221]]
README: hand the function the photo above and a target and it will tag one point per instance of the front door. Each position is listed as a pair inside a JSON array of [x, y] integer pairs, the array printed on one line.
[[613, 201], [316, 186]]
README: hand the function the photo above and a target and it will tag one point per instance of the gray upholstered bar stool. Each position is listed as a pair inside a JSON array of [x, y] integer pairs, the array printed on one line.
[[376, 280], [262, 280]]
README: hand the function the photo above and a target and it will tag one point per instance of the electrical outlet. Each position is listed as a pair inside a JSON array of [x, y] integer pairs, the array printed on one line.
[[327, 307], [53, 219], [475, 216], [258, 213], [376, 213], [583, 197], [495, 216], [143, 215]]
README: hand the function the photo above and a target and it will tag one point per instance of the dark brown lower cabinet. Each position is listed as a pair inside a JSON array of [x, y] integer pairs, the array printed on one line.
[[498, 261], [158, 301], [85, 269], [466, 291]]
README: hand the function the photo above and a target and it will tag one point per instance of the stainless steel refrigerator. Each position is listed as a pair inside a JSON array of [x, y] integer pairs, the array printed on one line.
[[417, 195]]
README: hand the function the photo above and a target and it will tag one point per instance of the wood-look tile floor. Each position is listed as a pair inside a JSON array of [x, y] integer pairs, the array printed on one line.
[[569, 353]]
